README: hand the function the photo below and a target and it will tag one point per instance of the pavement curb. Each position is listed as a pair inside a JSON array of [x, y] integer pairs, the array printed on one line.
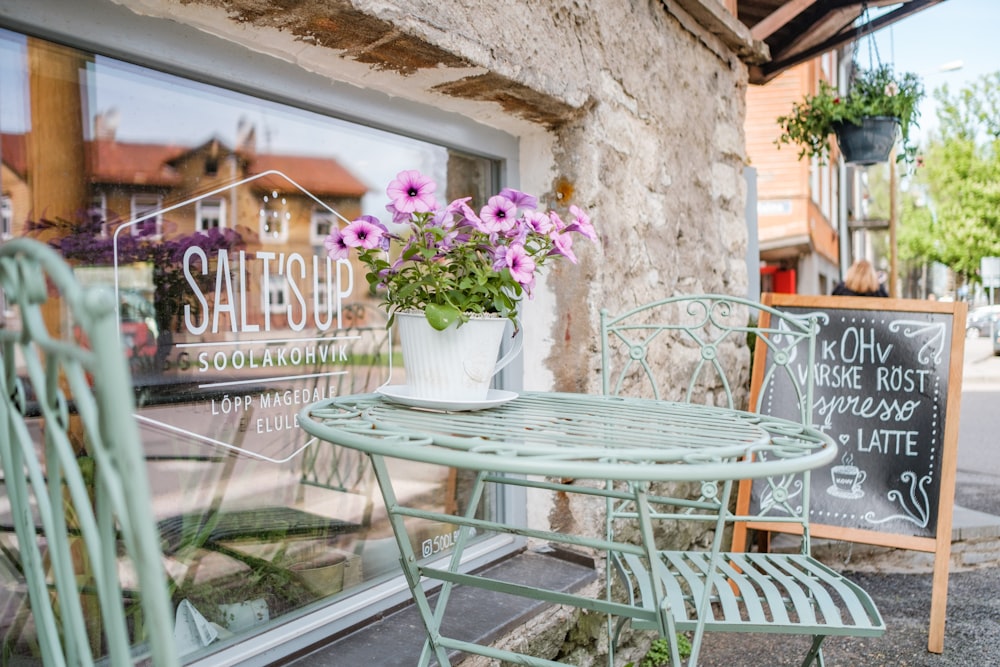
[[975, 543]]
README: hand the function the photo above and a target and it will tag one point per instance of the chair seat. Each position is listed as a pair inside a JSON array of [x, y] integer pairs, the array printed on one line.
[[758, 592]]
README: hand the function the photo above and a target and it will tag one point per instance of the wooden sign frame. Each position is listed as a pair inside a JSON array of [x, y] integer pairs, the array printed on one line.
[[940, 543]]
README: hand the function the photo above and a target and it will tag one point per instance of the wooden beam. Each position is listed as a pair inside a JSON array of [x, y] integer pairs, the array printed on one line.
[[767, 71], [780, 17], [714, 18]]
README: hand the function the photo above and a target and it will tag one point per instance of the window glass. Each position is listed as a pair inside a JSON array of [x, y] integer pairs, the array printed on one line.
[[206, 210]]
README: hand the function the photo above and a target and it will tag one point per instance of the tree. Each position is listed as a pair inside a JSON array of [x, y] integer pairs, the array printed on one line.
[[960, 176]]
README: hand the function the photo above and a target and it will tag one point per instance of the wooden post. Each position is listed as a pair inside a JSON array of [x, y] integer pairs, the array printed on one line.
[[58, 175], [58, 179], [893, 268]]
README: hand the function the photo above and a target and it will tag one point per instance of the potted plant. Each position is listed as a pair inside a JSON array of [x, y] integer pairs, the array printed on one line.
[[442, 268], [877, 103]]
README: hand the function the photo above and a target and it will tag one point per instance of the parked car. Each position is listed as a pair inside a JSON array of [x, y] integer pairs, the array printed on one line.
[[977, 322], [995, 334]]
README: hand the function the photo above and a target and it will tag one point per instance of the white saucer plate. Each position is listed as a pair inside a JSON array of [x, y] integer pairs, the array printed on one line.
[[853, 494], [401, 393]]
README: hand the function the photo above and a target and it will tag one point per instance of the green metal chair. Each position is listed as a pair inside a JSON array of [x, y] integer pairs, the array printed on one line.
[[79, 492], [692, 349]]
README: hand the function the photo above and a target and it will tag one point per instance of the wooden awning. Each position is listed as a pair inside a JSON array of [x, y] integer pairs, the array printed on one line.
[[799, 30]]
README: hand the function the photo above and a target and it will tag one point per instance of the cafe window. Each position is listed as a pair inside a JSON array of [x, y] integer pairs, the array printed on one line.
[[235, 316]]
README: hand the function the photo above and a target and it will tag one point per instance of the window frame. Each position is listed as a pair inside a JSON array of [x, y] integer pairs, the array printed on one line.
[[277, 295], [320, 215], [141, 204], [109, 29], [216, 203], [6, 217]]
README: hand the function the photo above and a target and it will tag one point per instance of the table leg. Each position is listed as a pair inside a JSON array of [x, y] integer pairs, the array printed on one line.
[[408, 562], [705, 606]]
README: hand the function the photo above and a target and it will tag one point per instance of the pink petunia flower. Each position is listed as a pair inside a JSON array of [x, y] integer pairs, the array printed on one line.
[[336, 249], [498, 215], [466, 215], [581, 223], [539, 222], [398, 217], [562, 244], [517, 259], [365, 232], [520, 199], [412, 192]]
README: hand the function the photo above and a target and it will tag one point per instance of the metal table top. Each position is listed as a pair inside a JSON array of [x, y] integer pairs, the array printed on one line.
[[576, 435]]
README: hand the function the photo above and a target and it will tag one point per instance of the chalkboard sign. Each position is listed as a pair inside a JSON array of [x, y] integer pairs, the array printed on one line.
[[881, 380], [887, 385]]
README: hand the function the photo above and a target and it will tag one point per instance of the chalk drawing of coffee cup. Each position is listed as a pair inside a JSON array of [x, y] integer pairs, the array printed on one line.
[[847, 480]]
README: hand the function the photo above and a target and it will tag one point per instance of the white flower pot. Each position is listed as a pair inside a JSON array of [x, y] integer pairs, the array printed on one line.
[[456, 364]]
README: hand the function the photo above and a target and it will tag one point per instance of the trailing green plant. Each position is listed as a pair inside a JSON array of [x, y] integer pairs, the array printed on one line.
[[872, 92]]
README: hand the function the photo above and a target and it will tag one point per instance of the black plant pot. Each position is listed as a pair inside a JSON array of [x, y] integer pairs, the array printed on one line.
[[868, 143]]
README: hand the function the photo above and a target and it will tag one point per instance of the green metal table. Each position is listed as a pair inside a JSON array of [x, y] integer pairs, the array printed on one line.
[[539, 437]]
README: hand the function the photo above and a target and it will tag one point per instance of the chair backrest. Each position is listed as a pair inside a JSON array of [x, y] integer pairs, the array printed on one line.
[[78, 493], [698, 348]]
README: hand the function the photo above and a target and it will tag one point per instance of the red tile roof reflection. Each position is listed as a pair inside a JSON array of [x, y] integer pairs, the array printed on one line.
[[116, 162], [320, 176], [14, 153], [135, 164]]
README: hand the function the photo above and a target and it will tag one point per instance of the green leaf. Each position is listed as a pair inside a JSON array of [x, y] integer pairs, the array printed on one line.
[[441, 317]]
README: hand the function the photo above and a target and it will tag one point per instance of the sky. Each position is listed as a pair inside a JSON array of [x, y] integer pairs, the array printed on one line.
[[922, 43]]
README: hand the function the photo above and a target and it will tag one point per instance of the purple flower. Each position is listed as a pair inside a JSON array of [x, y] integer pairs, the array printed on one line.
[[412, 192], [365, 232], [562, 244], [517, 259], [581, 223], [520, 199], [498, 215], [335, 246], [397, 215], [539, 222]]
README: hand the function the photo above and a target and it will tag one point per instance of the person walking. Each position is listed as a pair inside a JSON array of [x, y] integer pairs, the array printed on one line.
[[861, 280]]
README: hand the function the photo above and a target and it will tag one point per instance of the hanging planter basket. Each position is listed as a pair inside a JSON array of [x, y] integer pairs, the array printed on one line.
[[868, 143]]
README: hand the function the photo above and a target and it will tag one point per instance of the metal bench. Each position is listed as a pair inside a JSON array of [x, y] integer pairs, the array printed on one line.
[[79, 494], [684, 348]]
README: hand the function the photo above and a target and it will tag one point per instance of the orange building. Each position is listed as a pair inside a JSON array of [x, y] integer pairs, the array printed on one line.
[[799, 202]]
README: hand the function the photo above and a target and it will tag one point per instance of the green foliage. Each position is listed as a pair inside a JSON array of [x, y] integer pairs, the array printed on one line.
[[875, 92], [659, 652], [956, 221], [447, 291]]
